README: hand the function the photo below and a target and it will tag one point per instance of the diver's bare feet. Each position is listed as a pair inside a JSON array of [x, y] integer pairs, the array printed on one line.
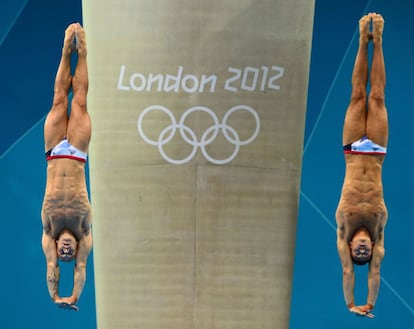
[[68, 42], [377, 27], [80, 40], [364, 25]]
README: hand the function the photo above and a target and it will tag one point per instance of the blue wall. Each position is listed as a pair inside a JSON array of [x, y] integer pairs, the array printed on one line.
[[317, 293], [31, 35]]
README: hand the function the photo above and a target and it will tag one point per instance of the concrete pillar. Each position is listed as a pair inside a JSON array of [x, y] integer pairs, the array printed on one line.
[[198, 111]]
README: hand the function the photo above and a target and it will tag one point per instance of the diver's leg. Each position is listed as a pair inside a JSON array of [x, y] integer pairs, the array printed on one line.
[[355, 117], [79, 126], [57, 118], [377, 121]]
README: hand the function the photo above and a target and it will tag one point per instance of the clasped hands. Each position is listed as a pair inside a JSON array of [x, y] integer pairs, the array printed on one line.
[[67, 303], [363, 310]]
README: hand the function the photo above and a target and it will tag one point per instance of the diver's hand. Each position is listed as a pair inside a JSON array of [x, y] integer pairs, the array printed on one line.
[[364, 310], [67, 303], [67, 300]]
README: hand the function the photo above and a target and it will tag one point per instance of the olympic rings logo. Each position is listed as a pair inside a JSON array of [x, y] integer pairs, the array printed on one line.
[[190, 137]]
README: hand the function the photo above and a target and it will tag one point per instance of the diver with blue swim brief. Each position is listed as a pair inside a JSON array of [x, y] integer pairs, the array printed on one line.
[[361, 214], [66, 211]]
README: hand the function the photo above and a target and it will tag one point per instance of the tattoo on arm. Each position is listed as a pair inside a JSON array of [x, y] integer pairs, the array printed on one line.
[[53, 281]]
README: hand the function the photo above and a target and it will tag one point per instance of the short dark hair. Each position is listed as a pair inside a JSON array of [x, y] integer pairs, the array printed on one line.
[[361, 262]]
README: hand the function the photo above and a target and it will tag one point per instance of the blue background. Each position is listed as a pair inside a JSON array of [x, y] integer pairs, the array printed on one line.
[[317, 300], [31, 34]]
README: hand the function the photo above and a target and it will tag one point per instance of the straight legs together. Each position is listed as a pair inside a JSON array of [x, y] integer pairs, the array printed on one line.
[[77, 127]]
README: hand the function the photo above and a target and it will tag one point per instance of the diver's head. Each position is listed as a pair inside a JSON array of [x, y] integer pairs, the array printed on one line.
[[361, 247], [66, 246]]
